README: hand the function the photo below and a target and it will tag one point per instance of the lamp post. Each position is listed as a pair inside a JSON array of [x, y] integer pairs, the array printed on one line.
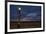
[[19, 10]]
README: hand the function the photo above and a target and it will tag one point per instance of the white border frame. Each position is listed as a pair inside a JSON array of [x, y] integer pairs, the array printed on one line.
[[26, 29]]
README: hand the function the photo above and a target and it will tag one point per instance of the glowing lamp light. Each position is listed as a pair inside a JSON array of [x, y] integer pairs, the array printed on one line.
[[19, 8]]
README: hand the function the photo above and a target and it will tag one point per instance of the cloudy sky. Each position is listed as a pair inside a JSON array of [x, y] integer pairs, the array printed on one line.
[[27, 13]]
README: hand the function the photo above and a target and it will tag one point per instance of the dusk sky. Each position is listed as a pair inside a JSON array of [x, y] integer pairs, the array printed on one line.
[[28, 13]]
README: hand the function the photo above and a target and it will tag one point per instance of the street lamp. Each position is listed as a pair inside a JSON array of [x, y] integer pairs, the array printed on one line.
[[19, 10]]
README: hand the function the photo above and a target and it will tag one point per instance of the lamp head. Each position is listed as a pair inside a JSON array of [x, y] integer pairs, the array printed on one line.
[[19, 8]]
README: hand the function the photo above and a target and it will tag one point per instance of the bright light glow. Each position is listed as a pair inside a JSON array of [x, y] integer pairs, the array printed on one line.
[[19, 8]]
